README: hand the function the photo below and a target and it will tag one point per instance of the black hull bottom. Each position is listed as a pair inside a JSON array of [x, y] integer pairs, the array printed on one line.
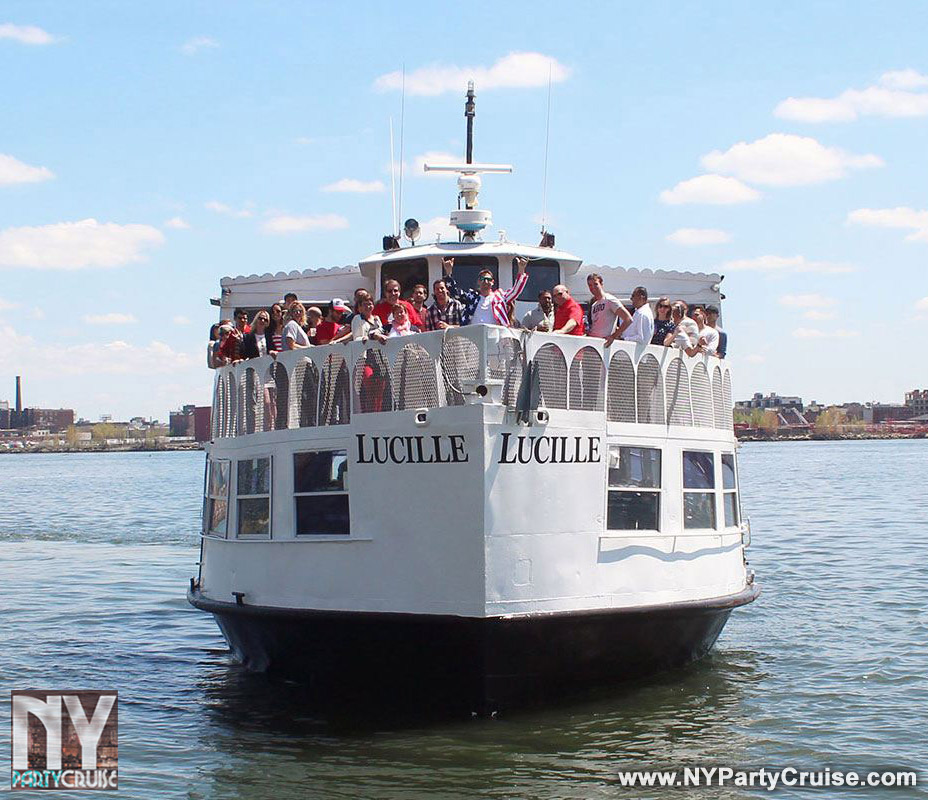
[[475, 664]]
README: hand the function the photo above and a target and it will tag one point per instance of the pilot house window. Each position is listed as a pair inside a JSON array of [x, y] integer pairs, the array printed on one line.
[[216, 501], [730, 491], [634, 501], [698, 490], [320, 491], [254, 497]]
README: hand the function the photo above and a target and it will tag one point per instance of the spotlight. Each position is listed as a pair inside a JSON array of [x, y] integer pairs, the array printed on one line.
[[411, 229]]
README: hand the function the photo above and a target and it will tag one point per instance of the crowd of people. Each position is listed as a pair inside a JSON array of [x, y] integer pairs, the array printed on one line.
[[291, 325]]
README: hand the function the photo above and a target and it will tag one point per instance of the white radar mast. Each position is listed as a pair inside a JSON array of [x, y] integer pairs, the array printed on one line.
[[470, 219]]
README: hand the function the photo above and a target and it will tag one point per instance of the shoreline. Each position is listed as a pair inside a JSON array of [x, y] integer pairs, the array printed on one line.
[[180, 447], [825, 437]]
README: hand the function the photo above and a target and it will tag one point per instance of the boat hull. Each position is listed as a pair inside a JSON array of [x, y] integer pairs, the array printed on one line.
[[476, 664]]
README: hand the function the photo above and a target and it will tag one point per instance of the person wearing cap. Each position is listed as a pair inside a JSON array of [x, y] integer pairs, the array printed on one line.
[[391, 296], [712, 321], [331, 330]]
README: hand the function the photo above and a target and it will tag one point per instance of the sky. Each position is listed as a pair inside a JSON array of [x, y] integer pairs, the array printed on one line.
[[148, 149]]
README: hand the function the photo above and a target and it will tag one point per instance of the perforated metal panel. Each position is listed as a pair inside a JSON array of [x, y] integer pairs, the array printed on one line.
[[678, 394], [586, 380], [512, 366], [335, 392], [717, 402], [460, 364], [726, 400], [217, 420], [650, 390], [251, 416], [414, 378], [372, 387], [230, 409], [620, 389], [276, 397], [552, 376], [701, 394], [304, 399]]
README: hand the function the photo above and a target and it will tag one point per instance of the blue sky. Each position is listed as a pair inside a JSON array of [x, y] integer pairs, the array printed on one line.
[[146, 150]]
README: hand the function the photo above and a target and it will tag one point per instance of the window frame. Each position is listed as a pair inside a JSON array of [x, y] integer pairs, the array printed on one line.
[[529, 293], [344, 491], [736, 491], [653, 490], [713, 491], [209, 499], [270, 498], [475, 262]]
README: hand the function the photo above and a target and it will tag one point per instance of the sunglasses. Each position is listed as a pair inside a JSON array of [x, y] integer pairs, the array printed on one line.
[[485, 279], [663, 305]]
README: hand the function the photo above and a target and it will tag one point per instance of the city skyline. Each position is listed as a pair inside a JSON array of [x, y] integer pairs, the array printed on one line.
[[146, 153]]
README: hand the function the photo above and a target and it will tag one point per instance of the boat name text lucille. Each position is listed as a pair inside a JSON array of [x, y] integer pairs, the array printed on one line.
[[451, 449]]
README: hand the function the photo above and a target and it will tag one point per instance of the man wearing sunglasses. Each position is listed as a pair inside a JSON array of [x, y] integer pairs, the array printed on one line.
[[485, 305]]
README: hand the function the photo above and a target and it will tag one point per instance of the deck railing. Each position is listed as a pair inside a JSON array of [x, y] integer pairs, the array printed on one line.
[[327, 385]]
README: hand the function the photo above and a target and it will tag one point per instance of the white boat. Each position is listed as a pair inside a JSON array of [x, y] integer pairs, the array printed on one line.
[[498, 512]]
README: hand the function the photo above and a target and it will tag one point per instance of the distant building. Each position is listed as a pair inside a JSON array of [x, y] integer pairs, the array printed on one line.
[[53, 420], [772, 401], [5, 414], [193, 421], [877, 413], [917, 400]]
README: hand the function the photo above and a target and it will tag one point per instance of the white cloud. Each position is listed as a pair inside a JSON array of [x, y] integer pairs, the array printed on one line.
[[76, 245], [198, 43], [921, 308], [713, 190], [180, 319], [514, 71], [12, 170], [434, 157], [819, 316], [353, 185], [222, 208], [783, 264], [755, 358], [435, 228], [783, 159], [7, 305], [285, 223], [113, 318], [815, 333], [177, 223], [26, 34], [694, 237], [807, 301], [893, 98], [901, 217], [37, 313]]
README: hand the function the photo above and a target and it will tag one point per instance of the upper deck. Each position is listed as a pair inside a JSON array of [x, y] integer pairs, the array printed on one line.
[[657, 389]]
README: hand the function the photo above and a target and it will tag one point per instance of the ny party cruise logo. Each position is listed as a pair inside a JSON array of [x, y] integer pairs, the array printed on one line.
[[64, 739]]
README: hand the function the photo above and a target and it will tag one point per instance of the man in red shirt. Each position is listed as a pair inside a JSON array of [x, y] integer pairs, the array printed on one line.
[[568, 316], [391, 296], [331, 330]]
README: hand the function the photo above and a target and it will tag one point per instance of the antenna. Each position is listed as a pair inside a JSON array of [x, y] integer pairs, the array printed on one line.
[[469, 114], [392, 179], [544, 186], [402, 141]]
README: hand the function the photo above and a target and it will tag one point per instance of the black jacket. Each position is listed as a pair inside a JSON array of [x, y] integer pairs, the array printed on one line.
[[250, 345]]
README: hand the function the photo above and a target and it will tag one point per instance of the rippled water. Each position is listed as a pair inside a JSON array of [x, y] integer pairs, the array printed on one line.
[[827, 669]]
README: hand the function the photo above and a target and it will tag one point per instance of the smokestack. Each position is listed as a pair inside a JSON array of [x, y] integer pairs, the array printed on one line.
[[19, 395]]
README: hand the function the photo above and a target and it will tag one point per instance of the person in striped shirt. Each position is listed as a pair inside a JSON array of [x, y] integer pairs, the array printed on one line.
[[485, 305]]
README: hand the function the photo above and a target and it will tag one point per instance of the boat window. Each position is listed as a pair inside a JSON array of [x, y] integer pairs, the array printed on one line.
[[320, 490], [216, 498], [543, 274], [467, 268], [634, 496], [698, 506], [253, 491], [730, 491], [408, 272]]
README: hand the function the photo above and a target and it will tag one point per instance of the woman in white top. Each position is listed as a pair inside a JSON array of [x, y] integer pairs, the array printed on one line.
[[365, 324], [685, 334], [399, 322], [295, 337]]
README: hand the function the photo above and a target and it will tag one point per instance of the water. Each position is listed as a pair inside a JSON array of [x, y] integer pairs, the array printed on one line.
[[827, 669]]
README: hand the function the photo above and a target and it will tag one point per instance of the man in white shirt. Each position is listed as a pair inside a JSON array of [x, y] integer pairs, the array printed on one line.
[[604, 308], [712, 321], [541, 318], [708, 336], [637, 327]]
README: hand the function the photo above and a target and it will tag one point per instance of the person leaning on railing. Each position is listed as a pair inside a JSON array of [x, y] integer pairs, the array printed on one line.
[[365, 324], [484, 304], [663, 324], [295, 337], [445, 312], [685, 334], [260, 341]]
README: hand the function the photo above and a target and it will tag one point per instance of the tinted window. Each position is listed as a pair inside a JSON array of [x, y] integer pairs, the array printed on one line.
[[698, 471], [218, 478], [467, 268], [632, 511], [322, 514], [254, 476], [543, 273], [320, 472], [730, 502], [699, 510], [728, 471], [634, 466], [254, 516], [408, 272]]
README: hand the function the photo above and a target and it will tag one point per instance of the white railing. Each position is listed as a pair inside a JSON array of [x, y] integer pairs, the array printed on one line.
[[328, 385]]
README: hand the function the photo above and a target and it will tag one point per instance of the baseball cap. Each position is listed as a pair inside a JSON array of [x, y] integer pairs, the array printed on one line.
[[712, 309], [340, 305]]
